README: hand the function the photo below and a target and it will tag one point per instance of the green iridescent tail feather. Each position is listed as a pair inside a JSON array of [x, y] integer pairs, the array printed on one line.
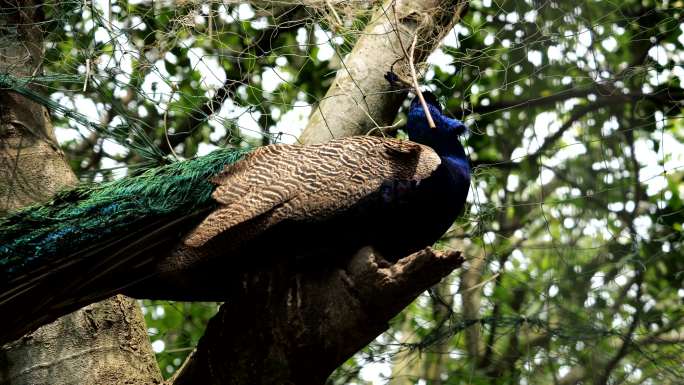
[[90, 214]]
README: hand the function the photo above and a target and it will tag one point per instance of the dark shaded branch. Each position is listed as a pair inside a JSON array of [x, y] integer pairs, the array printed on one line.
[[304, 324], [627, 338], [525, 103], [200, 116], [514, 351], [662, 97], [577, 114]]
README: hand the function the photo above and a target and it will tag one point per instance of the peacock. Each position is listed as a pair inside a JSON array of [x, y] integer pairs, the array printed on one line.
[[181, 231]]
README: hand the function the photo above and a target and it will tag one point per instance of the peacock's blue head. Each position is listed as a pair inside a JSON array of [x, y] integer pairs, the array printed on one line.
[[444, 138]]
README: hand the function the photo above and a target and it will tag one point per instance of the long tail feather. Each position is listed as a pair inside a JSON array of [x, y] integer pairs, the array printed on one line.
[[93, 241]]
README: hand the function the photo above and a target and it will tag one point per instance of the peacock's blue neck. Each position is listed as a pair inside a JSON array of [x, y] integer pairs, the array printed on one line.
[[459, 168], [444, 138]]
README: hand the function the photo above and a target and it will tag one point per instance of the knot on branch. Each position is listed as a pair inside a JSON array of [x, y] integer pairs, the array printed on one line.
[[388, 287]]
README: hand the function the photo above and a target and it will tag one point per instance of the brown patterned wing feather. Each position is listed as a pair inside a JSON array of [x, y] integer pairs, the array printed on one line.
[[247, 189], [280, 182]]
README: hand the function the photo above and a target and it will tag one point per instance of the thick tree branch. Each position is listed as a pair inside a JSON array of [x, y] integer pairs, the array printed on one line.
[[360, 98], [294, 316]]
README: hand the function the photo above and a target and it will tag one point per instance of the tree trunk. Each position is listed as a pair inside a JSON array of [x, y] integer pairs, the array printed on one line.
[[470, 297], [106, 342]]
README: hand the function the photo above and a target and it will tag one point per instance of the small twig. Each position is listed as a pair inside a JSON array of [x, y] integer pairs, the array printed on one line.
[[385, 129], [334, 12], [210, 23], [431, 122], [412, 67], [396, 28], [87, 75], [493, 277], [166, 135]]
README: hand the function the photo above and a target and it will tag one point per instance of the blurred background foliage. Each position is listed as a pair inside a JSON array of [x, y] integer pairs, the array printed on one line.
[[573, 233]]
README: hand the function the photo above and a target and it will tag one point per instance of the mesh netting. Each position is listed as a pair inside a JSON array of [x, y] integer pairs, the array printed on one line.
[[574, 226]]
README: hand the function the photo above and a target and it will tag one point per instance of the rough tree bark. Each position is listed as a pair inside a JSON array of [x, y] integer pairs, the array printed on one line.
[[106, 342], [288, 325], [470, 297]]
